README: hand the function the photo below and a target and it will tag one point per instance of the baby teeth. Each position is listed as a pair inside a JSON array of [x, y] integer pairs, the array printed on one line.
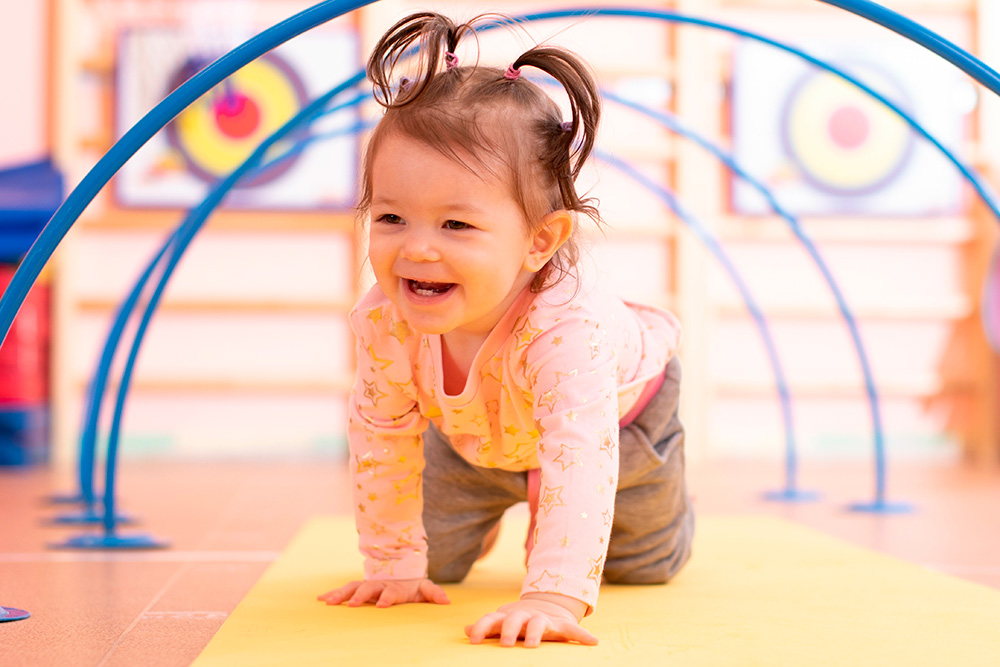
[[429, 289]]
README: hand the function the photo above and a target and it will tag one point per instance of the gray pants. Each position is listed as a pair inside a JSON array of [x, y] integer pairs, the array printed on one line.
[[653, 525]]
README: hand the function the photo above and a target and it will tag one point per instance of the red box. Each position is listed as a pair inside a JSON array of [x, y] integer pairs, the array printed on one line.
[[24, 356]]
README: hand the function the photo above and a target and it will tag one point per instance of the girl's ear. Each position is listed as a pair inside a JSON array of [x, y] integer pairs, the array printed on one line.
[[554, 231]]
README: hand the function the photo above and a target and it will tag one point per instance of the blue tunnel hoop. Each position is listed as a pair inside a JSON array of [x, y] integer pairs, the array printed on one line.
[[193, 223], [790, 493], [92, 183]]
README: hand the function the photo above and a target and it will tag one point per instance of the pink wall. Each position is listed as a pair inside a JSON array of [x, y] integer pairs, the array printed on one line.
[[24, 52]]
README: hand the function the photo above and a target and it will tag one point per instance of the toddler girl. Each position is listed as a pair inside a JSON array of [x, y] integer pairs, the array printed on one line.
[[490, 372]]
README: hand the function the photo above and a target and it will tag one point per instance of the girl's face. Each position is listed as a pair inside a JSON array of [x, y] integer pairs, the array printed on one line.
[[449, 246]]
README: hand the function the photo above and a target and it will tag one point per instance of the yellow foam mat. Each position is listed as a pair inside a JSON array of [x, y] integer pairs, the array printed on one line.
[[758, 591]]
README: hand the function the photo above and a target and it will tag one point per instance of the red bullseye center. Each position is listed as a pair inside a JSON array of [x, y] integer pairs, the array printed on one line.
[[849, 127], [236, 115]]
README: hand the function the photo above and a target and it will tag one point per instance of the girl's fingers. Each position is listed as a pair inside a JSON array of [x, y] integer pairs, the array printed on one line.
[[572, 632], [366, 591], [338, 595], [512, 626], [488, 625], [433, 593], [388, 597], [535, 631]]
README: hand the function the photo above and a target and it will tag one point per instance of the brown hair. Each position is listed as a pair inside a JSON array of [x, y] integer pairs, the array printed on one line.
[[505, 124]]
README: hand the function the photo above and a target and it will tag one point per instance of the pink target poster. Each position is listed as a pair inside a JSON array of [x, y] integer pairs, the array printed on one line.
[[824, 147], [315, 167]]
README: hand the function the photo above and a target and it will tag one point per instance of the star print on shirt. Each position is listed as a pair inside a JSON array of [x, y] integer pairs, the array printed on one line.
[[367, 463], [526, 335], [484, 447], [596, 568], [549, 399], [412, 480], [522, 451], [547, 581], [404, 388], [373, 393], [400, 331], [560, 376], [569, 456], [527, 396], [551, 497], [376, 528], [595, 346], [607, 443], [384, 363]]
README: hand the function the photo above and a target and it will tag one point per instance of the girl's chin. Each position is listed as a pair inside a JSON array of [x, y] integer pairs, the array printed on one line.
[[427, 326]]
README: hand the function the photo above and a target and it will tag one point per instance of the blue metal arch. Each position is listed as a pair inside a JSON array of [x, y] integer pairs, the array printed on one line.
[[123, 149], [879, 503], [179, 240]]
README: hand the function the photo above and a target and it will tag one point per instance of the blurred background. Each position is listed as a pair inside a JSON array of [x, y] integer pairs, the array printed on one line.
[[250, 355]]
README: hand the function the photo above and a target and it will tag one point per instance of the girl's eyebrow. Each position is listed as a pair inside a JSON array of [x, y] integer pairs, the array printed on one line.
[[385, 201], [462, 207], [451, 207]]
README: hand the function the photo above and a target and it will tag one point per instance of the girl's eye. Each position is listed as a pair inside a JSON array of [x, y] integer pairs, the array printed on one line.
[[390, 219], [456, 225]]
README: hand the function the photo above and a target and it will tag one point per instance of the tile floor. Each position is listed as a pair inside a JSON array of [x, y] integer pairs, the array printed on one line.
[[227, 522]]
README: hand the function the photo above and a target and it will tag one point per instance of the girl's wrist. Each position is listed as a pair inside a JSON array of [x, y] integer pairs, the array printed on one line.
[[577, 608]]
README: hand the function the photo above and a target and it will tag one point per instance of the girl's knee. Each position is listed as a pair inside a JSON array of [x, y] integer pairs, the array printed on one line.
[[659, 571], [658, 562], [448, 573]]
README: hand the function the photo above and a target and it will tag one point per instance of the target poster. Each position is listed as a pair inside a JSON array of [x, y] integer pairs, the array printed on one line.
[[824, 147], [314, 167]]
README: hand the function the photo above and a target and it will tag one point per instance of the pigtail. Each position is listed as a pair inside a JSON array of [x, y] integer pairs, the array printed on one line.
[[490, 118], [432, 36], [574, 146]]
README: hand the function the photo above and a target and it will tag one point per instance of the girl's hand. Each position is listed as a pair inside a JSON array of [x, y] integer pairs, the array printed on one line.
[[533, 620], [386, 593]]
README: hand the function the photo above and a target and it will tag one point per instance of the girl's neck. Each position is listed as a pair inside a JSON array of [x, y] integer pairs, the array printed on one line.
[[458, 353], [459, 348]]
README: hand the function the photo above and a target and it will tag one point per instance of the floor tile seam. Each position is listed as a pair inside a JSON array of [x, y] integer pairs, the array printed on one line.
[[171, 580]]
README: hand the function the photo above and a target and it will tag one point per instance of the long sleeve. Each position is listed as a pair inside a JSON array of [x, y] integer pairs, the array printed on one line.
[[572, 370], [386, 457]]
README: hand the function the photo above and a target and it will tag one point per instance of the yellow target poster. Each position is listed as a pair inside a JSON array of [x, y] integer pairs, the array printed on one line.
[[825, 147], [314, 167]]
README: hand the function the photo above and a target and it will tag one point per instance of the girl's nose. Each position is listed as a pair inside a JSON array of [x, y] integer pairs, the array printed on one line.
[[419, 246]]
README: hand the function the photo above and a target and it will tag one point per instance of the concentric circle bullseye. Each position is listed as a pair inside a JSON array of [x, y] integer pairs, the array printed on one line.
[[841, 140], [216, 134]]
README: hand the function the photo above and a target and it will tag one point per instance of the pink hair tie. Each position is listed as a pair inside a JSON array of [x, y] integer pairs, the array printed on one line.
[[512, 72], [450, 60], [566, 126]]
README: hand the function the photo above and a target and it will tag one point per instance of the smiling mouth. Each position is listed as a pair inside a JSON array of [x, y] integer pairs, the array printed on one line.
[[422, 288]]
